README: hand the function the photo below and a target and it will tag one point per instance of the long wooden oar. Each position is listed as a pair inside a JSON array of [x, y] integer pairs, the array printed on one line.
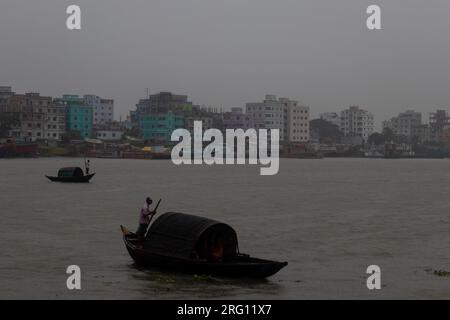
[[157, 205]]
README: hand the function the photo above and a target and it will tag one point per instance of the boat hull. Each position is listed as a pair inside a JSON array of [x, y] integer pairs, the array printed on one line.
[[83, 179], [242, 266]]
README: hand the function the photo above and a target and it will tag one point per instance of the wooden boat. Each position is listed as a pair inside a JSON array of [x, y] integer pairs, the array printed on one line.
[[192, 244], [71, 174]]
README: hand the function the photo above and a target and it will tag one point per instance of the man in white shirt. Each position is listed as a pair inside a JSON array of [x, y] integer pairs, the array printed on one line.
[[144, 218]]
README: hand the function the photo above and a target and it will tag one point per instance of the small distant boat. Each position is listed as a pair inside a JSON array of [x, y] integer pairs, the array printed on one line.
[[192, 244], [71, 174]]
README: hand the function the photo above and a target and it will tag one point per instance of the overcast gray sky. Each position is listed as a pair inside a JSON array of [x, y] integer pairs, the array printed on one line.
[[229, 52]]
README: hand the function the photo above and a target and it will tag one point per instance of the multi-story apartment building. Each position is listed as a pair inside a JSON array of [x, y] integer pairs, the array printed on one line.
[[11, 112], [404, 123], [269, 114], [439, 124], [161, 103], [422, 133], [78, 115], [112, 131], [102, 109], [55, 121], [207, 123], [297, 121], [34, 116], [160, 114], [237, 119], [357, 122], [159, 127], [284, 114], [5, 95], [38, 118], [106, 112]]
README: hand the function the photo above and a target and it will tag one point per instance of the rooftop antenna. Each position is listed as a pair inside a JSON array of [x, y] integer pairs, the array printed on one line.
[[147, 91]]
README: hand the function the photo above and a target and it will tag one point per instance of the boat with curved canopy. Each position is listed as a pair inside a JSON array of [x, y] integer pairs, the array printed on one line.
[[71, 174], [193, 244]]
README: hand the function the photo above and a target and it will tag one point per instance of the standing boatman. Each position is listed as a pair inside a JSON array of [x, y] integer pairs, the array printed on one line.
[[144, 218], [87, 164]]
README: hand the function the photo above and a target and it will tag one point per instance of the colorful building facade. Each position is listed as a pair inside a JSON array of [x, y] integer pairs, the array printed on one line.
[[79, 116], [159, 126]]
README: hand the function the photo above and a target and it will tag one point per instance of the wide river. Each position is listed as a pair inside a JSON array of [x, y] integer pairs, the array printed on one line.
[[329, 218]]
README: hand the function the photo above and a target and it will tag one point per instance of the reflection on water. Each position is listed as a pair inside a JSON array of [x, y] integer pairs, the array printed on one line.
[[172, 284]]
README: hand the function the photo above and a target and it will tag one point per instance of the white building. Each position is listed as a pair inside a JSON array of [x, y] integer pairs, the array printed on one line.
[[331, 117], [404, 123], [284, 114], [55, 122], [269, 114], [103, 109], [357, 122], [297, 121], [109, 135]]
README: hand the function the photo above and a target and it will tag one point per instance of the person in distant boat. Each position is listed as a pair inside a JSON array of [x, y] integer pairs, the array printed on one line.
[[144, 218], [87, 164]]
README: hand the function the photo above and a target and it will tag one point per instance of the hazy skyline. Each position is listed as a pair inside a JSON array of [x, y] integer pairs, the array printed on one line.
[[231, 52]]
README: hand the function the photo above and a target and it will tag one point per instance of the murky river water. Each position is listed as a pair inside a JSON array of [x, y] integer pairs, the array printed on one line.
[[329, 218]]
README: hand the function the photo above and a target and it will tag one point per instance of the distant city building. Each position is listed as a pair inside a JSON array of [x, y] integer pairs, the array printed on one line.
[[207, 123], [439, 124], [34, 119], [331, 117], [79, 116], [102, 109], [162, 102], [159, 127], [6, 90], [297, 121], [55, 126], [209, 109], [269, 114], [109, 135], [404, 123], [37, 117], [422, 133], [357, 122], [291, 119], [160, 114], [111, 131], [14, 110], [237, 119], [5, 94]]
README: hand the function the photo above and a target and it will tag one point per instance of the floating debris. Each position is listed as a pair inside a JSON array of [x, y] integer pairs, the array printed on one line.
[[441, 273], [203, 278]]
